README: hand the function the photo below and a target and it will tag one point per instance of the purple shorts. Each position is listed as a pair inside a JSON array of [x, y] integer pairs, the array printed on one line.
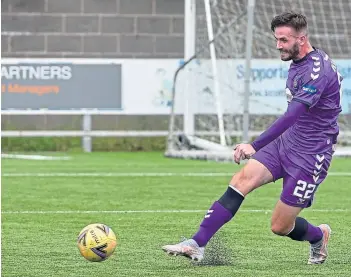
[[302, 173]]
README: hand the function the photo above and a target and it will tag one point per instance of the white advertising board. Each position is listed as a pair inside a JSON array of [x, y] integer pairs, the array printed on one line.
[[147, 86]]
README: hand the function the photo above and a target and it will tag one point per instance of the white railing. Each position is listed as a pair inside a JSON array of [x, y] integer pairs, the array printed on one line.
[[86, 133]]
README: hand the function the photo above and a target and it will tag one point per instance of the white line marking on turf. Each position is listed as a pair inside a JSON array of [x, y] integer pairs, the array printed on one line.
[[161, 211], [34, 157], [138, 174], [119, 174]]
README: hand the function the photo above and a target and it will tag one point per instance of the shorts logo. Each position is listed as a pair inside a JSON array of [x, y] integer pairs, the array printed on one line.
[[309, 89], [301, 201]]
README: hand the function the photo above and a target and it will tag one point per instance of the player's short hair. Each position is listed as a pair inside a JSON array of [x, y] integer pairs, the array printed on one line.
[[295, 20]]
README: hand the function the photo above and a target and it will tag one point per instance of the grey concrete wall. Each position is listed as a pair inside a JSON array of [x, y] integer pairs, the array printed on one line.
[[93, 28]]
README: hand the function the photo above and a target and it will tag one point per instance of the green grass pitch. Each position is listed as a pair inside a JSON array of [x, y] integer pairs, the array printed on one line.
[[46, 203]]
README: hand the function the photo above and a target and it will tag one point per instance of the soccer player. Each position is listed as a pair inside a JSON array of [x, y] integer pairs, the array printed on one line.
[[297, 147]]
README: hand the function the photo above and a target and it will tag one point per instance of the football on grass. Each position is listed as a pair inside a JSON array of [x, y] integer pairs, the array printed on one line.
[[96, 242]]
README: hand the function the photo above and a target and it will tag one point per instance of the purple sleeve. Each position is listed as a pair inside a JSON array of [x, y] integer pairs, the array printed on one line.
[[312, 86], [294, 111]]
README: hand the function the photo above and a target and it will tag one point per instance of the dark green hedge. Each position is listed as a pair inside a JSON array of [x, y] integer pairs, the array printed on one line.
[[74, 144]]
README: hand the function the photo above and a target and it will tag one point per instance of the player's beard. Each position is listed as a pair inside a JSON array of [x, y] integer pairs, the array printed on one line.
[[293, 53]]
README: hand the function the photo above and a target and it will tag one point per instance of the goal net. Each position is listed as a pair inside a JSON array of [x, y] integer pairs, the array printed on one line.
[[211, 109]]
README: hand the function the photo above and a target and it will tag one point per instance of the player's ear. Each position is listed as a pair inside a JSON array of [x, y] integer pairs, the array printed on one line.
[[302, 40]]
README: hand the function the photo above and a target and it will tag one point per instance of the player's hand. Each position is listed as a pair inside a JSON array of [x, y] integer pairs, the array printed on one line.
[[243, 151]]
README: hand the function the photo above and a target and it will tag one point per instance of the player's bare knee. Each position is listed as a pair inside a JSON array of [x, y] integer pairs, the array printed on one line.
[[241, 182], [251, 176]]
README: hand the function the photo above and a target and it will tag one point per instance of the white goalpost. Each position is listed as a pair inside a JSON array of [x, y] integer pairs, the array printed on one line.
[[214, 72], [231, 85]]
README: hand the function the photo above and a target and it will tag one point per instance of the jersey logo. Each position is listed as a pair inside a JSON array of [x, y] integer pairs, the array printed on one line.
[[309, 89], [296, 82], [316, 68]]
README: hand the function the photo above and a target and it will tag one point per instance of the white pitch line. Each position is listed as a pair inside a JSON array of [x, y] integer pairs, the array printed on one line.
[[162, 211], [119, 174], [34, 157], [138, 174]]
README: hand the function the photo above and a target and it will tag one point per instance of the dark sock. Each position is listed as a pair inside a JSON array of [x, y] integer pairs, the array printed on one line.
[[220, 213], [303, 230]]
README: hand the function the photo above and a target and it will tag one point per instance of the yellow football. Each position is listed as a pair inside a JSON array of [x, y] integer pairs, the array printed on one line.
[[96, 242]]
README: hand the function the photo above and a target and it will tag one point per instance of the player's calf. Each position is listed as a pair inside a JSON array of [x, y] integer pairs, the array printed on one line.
[[252, 175], [283, 218], [285, 222], [305, 231], [280, 230], [219, 214]]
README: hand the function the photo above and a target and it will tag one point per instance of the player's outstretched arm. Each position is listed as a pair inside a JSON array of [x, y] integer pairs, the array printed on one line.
[[294, 111]]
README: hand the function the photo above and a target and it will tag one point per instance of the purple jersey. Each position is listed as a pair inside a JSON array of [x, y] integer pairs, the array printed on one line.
[[314, 80]]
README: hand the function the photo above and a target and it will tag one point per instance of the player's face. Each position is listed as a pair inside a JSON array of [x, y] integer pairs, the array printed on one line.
[[287, 43]]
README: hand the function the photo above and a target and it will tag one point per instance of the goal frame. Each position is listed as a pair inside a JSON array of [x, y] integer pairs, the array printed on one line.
[[209, 149], [189, 52]]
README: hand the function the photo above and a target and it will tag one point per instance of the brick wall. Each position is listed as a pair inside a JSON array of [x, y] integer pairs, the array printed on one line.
[[93, 28]]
